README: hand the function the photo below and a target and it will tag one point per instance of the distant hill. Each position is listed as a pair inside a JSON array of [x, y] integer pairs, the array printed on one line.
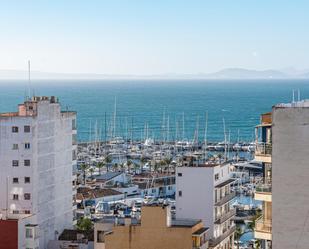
[[229, 73]]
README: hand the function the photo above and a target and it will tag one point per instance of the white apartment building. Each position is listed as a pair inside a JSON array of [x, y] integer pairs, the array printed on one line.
[[37, 153], [204, 192]]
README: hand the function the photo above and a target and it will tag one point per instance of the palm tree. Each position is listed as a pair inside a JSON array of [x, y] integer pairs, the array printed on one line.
[[129, 164], [100, 165], [91, 170], [144, 160], [136, 166], [122, 167], [168, 161], [107, 160], [84, 168]]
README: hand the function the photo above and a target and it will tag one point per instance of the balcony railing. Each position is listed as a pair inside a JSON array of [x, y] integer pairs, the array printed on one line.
[[225, 234], [204, 246], [225, 199], [263, 225], [226, 216], [264, 185], [263, 149]]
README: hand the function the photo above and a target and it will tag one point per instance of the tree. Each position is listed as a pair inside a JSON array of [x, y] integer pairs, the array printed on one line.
[[84, 168], [168, 161], [144, 160], [91, 170], [238, 233], [85, 225], [129, 164], [108, 160], [100, 165]]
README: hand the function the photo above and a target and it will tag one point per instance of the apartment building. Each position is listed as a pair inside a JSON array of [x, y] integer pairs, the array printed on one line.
[[290, 184], [156, 229], [37, 154], [204, 192], [263, 153]]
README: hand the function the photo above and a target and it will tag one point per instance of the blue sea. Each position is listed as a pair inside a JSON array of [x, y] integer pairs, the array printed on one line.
[[161, 105]]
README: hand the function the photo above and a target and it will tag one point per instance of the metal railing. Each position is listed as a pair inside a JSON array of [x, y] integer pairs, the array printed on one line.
[[264, 185], [225, 234], [263, 225], [263, 148], [225, 216], [225, 199]]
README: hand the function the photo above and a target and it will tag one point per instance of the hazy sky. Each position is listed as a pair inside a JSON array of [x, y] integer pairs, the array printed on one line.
[[153, 36]]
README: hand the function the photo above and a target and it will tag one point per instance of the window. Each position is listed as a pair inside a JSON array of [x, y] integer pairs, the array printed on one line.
[[15, 212], [27, 179], [15, 146], [14, 129], [29, 233], [27, 211], [15, 179], [180, 193], [15, 197], [179, 174], [27, 162], [27, 146], [216, 177], [15, 163], [153, 190], [27, 128], [27, 196], [100, 236], [73, 124]]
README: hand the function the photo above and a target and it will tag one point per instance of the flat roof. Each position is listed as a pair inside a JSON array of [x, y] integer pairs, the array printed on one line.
[[185, 222]]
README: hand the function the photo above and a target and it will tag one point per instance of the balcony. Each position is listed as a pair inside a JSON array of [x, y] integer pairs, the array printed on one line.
[[204, 246], [225, 199], [263, 228], [231, 213], [263, 152], [214, 242], [263, 190]]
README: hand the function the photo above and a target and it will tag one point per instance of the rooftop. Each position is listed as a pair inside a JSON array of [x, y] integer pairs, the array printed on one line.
[[89, 193], [185, 222], [297, 104]]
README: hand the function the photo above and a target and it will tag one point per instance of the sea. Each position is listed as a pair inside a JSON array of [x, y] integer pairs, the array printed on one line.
[[161, 109]]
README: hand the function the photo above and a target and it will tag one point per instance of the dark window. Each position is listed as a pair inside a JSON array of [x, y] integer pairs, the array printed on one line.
[[15, 212], [15, 146], [179, 174], [27, 179], [27, 162], [15, 197], [216, 177], [179, 193], [14, 129], [15, 163], [27, 211], [15, 179], [100, 236], [27, 146], [27, 196], [27, 128]]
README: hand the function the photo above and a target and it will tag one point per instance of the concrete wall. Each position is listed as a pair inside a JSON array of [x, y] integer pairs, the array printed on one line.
[[290, 181]]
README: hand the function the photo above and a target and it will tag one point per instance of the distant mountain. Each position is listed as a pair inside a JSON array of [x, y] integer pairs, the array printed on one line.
[[240, 73], [229, 73]]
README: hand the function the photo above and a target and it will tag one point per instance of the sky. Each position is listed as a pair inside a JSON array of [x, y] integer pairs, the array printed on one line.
[[153, 36]]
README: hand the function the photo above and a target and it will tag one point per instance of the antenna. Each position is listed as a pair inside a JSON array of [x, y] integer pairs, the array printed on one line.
[[29, 81]]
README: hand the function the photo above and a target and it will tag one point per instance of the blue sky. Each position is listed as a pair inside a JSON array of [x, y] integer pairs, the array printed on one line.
[[153, 36]]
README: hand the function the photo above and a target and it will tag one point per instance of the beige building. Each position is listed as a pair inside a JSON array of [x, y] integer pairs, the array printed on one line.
[[263, 153], [156, 230]]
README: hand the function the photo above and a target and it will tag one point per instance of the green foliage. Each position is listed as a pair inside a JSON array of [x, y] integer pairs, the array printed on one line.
[[84, 224]]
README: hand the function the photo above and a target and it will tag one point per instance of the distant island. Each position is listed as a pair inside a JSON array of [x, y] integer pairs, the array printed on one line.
[[228, 73]]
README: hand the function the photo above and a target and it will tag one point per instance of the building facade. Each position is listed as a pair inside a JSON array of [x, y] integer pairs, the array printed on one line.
[[263, 153], [204, 192], [290, 185], [156, 230], [37, 154]]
